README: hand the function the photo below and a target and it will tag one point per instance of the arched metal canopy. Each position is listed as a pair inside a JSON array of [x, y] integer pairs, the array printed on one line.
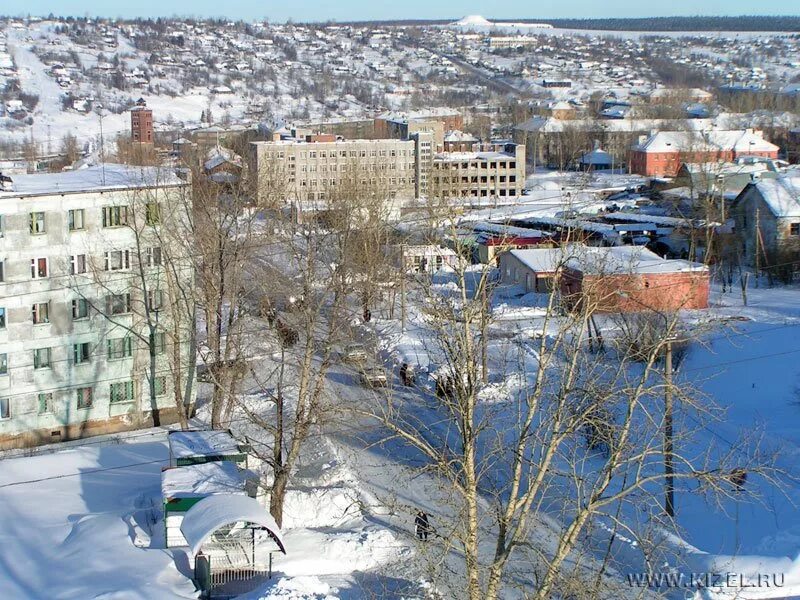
[[211, 513]]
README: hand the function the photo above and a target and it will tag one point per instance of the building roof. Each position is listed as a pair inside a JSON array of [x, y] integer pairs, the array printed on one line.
[[499, 229], [213, 512], [219, 155], [631, 217], [193, 481], [598, 156], [459, 136], [186, 444], [459, 156], [540, 260], [741, 141], [620, 260], [91, 179], [782, 195]]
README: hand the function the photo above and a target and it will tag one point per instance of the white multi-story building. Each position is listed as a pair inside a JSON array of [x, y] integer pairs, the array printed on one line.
[[313, 170], [309, 172], [89, 326], [492, 172]]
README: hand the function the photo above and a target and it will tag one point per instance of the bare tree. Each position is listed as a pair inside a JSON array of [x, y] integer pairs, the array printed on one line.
[[582, 440], [140, 266], [313, 271]]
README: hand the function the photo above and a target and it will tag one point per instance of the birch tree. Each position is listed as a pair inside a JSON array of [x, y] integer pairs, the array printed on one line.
[[581, 441]]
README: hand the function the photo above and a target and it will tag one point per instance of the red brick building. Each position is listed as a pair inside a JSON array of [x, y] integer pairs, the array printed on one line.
[[662, 154], [633, 279], [141, 123], [611, 280]]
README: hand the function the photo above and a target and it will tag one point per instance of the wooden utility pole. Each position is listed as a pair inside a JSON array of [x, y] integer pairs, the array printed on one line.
[[669, 483], [758, 237]]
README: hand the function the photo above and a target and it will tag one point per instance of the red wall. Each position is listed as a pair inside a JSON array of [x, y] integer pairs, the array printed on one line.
[[636, 293], [667, 164]]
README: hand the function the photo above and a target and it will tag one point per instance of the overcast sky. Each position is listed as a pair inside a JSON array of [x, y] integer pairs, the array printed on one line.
[[347, 10]]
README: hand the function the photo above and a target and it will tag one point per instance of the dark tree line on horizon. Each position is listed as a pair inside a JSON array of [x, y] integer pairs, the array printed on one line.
[[694, 23], [785, 23], [778, 23]]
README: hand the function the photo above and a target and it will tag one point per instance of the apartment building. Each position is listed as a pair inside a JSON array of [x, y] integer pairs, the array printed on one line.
[[88, 323], [310, 170], [494, 171]]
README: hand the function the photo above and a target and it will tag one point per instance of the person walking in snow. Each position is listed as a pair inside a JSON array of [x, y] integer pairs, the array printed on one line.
[[422, 526]]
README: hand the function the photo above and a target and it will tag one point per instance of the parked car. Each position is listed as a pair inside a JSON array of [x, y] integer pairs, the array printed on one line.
[[355, 353], [374, 377]]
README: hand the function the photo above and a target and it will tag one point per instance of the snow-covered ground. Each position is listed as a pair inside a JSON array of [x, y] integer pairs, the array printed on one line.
[[83, 522], [747, 370], [75, 524]]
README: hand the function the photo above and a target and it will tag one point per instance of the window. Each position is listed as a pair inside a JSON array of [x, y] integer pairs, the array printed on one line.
[[80, 309], [77, 264], [119, 348], [4, 364], [2, 318], [152, 213], [152, 257], [37, 223], [81, 353], [161, 386], [115, 216], [46, 403], [40, 313], [117, 260], [84, 395], [155, 299], [38, 268], [2, 271], [119, 304], [2, 226], [159, 341], [5, 408], [794, 229], [41, 358], [75, 218], [121, 392]]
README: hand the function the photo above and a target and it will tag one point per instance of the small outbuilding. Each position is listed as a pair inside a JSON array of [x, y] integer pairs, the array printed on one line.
[[193, 447], [632, 279], [596, 160], [611, 279], [534, 269]]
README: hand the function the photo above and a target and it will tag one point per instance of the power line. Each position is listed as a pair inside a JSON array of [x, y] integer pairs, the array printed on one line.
[[82, 473]]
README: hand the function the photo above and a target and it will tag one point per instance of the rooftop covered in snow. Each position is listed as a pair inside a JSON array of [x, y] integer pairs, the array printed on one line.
[[782, 195], [622, 260], [98, 178], [740, 141], [193, 481], [202, 443]]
